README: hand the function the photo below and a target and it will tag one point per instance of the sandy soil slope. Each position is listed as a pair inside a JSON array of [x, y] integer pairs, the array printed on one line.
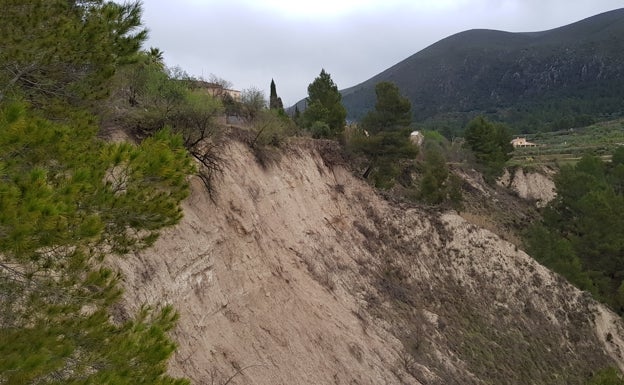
[[299, 273]]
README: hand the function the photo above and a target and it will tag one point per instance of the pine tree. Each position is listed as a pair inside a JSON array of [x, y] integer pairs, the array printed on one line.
[[491, 144], [392, 110], [324, 105], [67, 199], [388, 142], [58, 51]]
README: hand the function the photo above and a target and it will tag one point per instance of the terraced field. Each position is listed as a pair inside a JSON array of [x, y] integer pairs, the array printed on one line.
[[564, 147]]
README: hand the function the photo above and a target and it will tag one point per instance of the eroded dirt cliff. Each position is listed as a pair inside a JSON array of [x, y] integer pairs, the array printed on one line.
[[300, 273], [537, 185]]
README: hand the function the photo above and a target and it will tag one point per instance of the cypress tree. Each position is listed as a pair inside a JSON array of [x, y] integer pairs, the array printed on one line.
[[273, 96], [275, 102]]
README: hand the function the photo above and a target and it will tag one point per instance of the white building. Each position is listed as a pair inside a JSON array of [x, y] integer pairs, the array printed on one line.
[[522, 142]]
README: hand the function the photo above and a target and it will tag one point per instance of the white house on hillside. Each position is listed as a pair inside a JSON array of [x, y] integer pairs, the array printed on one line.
[[522, 142], [417, 138]]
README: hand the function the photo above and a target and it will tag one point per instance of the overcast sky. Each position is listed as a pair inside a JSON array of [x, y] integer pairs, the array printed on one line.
[[250, 42]]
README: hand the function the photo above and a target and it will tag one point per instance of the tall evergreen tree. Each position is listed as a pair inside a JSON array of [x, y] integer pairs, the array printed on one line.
[[324, 105], [491, 144], [392, 110], [388, 142], [273, 96], [275, 102]]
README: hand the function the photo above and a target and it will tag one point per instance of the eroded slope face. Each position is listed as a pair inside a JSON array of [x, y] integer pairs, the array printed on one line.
[[537, 186], [301, 274]]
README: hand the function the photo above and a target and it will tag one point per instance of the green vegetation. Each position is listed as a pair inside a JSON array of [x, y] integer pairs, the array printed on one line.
[[68, 199], [385, 152], [58, 52], [275, 102], [490, 142], [568, 146], [438, 184], [325, 114], [268, 131], [609, 376], [416, 171], [581, 235], [392, 110], [253, 101], [147, 97], [384, 136]]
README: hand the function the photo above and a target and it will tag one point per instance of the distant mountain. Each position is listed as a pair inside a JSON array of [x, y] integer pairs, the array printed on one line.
[[556, 78]]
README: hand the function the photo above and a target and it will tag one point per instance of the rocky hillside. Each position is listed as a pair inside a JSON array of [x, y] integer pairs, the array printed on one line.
[[300, 273], [527, 79]]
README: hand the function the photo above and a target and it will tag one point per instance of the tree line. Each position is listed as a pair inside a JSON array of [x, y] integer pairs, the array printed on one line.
[[581, 235]]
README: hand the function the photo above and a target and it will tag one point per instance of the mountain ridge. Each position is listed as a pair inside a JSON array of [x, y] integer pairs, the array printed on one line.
[[506, 74]]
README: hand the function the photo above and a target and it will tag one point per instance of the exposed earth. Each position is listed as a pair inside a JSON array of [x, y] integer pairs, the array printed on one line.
[[300, 273]]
